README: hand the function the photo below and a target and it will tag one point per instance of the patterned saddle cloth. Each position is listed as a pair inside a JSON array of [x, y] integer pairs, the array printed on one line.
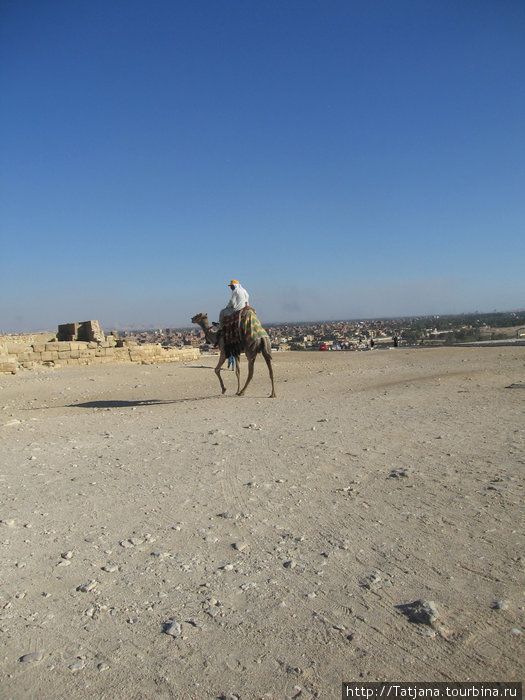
[[241, 327]]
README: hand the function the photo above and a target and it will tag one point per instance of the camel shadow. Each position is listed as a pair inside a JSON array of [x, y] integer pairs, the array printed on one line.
[[198, 367], [114, 403]]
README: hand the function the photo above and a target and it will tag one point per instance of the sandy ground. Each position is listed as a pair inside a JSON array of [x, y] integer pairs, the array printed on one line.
[[161, 541]]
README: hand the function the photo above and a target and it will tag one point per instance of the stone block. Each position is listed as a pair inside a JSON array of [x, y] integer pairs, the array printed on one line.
[[15, 348], [90, 330], [8, 367], [67, 331], [49, 356], [64, 354], [39, 347]]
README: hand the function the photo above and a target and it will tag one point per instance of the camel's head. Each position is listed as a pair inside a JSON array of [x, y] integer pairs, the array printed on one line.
[[199, 318]]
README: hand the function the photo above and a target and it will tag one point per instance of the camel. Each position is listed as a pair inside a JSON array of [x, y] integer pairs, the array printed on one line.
[[251, 350]]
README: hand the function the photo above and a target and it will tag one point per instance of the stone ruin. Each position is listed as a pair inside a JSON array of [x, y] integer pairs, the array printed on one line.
[[82, 343], [87, 331]]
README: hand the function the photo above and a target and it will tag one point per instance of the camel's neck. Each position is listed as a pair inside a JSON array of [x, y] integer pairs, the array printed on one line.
[[211, 336]]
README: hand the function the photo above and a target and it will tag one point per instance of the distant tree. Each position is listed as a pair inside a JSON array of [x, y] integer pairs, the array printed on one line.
[[413, 335]]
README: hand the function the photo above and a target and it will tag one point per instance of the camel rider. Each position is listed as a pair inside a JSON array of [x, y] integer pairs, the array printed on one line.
[[239, 299]]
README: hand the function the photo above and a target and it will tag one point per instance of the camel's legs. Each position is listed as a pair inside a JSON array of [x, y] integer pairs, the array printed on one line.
[[251, 362], [267, 356], [238, 373], [222, 360]]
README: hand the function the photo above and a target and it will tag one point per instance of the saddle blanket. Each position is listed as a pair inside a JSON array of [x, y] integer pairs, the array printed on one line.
[[242, 325], [250, 326]]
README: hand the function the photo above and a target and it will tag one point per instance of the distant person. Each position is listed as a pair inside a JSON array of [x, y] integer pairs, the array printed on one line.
[[231, 362], [239, 299]]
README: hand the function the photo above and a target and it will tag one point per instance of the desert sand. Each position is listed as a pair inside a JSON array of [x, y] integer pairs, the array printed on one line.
[[159, 540]]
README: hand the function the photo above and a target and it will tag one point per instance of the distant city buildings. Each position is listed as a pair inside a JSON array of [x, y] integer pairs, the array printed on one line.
[[361, 334]]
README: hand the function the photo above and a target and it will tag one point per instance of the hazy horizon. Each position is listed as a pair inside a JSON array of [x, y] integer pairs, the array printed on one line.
[[268, 322]]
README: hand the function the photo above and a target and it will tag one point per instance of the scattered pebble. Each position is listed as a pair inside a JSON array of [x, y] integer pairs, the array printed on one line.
[[32, 657], [77, 665], [110, 568], [398, 473], [86, 587], [240, 546], [421, 611], [246, 586], [375, 581], [173, 629]]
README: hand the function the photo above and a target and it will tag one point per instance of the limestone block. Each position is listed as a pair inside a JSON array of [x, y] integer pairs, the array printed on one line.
[[90, 330], [15, 348], [67, 331], [49, 356], [51, 347], [39, 347], [8, 367], [24, 356], [64, 354]]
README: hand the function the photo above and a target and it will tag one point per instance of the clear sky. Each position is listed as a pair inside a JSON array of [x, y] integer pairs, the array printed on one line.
[[341, 158]]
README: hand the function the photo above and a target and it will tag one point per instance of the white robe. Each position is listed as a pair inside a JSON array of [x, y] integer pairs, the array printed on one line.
[[239, 299]]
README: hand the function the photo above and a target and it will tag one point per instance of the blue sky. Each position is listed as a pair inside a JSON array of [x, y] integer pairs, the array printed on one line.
[[343, 158]]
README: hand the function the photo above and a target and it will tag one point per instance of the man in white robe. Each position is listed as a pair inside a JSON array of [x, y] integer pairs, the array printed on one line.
[[239, 299]]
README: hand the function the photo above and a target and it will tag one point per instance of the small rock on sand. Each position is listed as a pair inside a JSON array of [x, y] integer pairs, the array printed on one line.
[[422, 611], [33, 657], [173, 629]]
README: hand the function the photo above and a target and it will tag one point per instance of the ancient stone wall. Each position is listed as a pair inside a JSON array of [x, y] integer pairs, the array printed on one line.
[[17, 353]]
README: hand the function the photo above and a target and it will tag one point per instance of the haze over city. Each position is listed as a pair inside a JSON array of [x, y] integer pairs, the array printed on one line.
[[341, 159]]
